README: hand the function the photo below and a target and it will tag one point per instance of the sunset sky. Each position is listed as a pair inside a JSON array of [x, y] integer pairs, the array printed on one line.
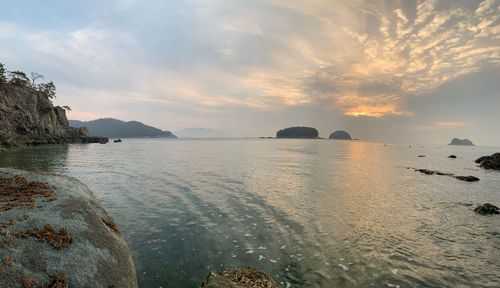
[[403, 71]]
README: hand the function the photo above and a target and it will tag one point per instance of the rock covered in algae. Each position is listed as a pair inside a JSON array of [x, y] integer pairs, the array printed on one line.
[[54, 233]]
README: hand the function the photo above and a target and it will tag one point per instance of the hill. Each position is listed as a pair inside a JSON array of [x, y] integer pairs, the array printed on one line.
[[114, 128]]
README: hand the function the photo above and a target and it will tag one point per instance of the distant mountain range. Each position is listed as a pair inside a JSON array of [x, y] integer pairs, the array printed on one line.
[[200, 133], [114, 128]]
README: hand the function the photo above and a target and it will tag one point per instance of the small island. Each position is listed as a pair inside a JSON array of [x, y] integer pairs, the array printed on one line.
[[461, 142], [340, 135], [298, 133]]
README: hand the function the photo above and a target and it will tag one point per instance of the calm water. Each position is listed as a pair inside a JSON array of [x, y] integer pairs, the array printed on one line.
[[313, 213]]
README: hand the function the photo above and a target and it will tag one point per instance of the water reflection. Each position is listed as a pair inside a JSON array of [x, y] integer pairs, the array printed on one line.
[[39, 158], [313, 213]]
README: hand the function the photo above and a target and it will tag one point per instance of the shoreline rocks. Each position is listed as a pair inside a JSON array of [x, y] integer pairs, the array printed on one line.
[[434, 172], [491, 162], [53, 231], [487, 209]]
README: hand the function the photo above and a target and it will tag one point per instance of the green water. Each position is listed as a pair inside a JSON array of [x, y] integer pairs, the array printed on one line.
[[312, 213]]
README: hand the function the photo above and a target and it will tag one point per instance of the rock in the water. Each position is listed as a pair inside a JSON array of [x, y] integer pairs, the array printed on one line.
[[490, 162], [340, 135], [246, 277], [462, 142], [54, 232], [298, 132], [467, 178], [487, 209], [452, 156]]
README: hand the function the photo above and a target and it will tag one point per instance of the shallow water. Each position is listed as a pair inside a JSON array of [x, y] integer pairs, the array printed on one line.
[[313, 213]]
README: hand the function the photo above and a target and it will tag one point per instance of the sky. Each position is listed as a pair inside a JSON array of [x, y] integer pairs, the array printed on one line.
[[394, 70]]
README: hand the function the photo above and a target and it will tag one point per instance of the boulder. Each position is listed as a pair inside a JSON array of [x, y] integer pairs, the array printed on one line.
[[462, 142], [245, 277], [452, 157], [490, 162], [467, 178], [487, 209], [340, 135], [54, 233]]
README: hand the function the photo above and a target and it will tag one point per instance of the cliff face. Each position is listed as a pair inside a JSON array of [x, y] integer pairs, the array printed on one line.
[[27, 117]]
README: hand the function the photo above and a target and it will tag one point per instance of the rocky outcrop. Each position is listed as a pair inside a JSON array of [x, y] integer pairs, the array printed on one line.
[[28, 117], [461, 142], [487, 209], [489, 162], [298, 133], [340, 135], [246, 277], [54, 233]]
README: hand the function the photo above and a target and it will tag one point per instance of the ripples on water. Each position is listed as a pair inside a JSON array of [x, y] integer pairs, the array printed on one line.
[[313, 213]]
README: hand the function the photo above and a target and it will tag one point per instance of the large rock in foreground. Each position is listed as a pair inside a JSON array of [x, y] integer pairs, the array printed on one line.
[[490, 162], [461, 142], [54, 233], [298, 132], [340, 135], [246, 277]]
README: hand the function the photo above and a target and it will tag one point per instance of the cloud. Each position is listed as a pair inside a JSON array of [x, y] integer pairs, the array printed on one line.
[[203, 57]]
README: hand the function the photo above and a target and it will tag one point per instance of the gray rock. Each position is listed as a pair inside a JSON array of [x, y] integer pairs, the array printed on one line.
[[53, 231], [487, 209], [244, 277], [490, 162], [467, 178]]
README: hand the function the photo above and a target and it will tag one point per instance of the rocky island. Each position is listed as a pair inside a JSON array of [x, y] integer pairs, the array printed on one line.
[[28, 116], [298, 133], [340, 135], [461, 142]]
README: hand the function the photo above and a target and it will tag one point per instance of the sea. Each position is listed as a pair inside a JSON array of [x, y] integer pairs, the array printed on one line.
[[311, 213]]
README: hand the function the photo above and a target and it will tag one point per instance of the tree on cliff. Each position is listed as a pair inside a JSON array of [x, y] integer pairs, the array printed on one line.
[[49, 89], [18, 78], [3, 77], [35, 76]]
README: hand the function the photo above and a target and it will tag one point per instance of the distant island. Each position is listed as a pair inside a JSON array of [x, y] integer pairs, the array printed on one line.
[[200, 133], [114, 128], [462, 142], [298, 133], [340, 135]]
